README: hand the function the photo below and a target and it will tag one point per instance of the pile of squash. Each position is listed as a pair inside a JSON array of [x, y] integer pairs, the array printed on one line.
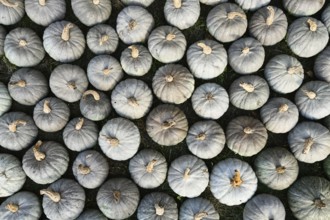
[[185, 97]]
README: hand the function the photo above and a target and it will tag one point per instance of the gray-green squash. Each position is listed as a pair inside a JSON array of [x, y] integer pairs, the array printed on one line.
[[5, 99], [118, 198], [3, 34], [144, 3], [23, 47], [157, 206], [198, 209], [45, 162], [91, 214], [325, 17], [95, 105], [28, 86], [252, 4], [12, 11], [322, 65], [63, 199], [51, 114], [303, 7], [12, 176], [17, 131]]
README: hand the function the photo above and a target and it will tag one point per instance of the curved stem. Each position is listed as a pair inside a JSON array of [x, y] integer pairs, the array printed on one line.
[[186, 174], [54, 196], [132, 24], [200, 215], [271, 16], [295, 70], [236, 181], [280, 169], [9, 4], [312, 25], [310, 94], [168, 124], [84, 170], [42, 2], [79, 124], [206, 49], [116, 195], [104, 38], [12, 207], [201, 137], [47, 108], [22, 43], [13, 126], [283, 108], [319, 203], [66, 32], [159, 210], [150, 166], [247, 86], [20, 83], [38, 155], [132, 102], [245, 50], [308, 145], [135, 51], [95, 94], [233, 14], [170, 37]]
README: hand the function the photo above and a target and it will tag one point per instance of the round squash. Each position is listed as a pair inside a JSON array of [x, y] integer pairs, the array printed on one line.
[[206, 139], [132, 98], [90, 168], [64, 41], [22, 205], [45, 162], [148, 168], [80, 134], [198, 209], [91, 12], [207, 59], [284, 73], [119, 139], [157, 205], [246, 55], [188, 176], [118, 198], [45, 12], [68, 82], [246, 136], [167, 125], [173, 83], [28, 86], [249, 92], [276, 167], [326, 166], [322, 65], [313, 100], [326, 17], [3, 34], [307, 37], [17, 131], [268, 25], [12, 176], [134, 24], [210, 101], [264, 206], [102, 39], [182, 13], [5, 99], [144, 3], [233, 181], [23, 47], [51, 114], [167, 44], [104, 72], [11, 11], [63, 199], [252, 4], [303, 7], [309, 198], [136, 60], [279, 115], [91, 214], [95, 105], [309, 142], [226, 22]]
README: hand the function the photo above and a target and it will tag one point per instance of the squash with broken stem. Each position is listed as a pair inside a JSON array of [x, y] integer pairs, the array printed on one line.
[[303, 7], [102, 39], [5, 99], [3, 34], [12, 11], [95, 105], [322, 65], [198, 209], [91, 214]]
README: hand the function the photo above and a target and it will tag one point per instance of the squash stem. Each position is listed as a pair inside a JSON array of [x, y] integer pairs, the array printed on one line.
[[186, 174], [132, 102], [201, 137], [84, 170], [95, 94], [310, 94], [209, 96], [114, 142], [308, 145], [134, 51], [22, 43], [79, 124], [233, 14], [319, 203], [170, 37], [96, 2], [42, 2], [104, 38], [177, 3], [159, 210], [245, 50], [20, 83], [132, 24], [271, 16], [106, 71], [116, 195], [13, 126], [66, 32], [72, 85], [283, 108], [168, 124], [280, 169], [150, 166], [12, 207], [247, 86], [54, 196], [200, 215], [169, 78], [206, 49], [295, 70], [47, 108], [248, 130], [236, 181], [9, 4], [312, 25], [38, 155]]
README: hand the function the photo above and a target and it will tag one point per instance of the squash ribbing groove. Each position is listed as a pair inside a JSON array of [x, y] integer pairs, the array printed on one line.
[[95, 94]]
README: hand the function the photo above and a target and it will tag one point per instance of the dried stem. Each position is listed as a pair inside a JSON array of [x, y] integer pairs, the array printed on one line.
[[319, 203], [84, 170], [248, 130], [236, 181], [95, 94], [295, 70], [132, 24], [308, 145], [13, 126], [283, 108], [170, 37], [54, 196], [20, 83], [12, 207], [271, 16], [247, 86], [135, 51], [280, 169], [168, 124], [312, 25], [310, 94], [186, 174], [46, 106], [206, 49], [116, 195], [22, 43], [66, 32], [233, 14], [177, 3], [9, 4], [150, 166], [42, 2], [159, 210], [104, 38], [79, 124], [133, 102], [201, 137], [38, 155], [200, 215]]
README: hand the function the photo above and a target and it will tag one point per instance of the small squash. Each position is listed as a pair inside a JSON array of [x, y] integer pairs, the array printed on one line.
[[322, 65], [233, 181], [183, 173], [303, 7], [28, 86], [12, 176], [173, 83], [68, 82], [63, 199], [45, 162], [144, 3], [90, 168], [23, 47], [309, 142], [91, 214], [326, 17], [91, 12], [206, 139], [119, 139], [207, 59], [134, 24], [252, 4], [284, 73], [264, 206], [246, 55], [17, 131], [246, 136], [148, 168], [80, 134], [167, 44], [309, 198], [95, 105], [22, 205], [226, 22], [307, 37], [182, 13], [136, 60], [118, 198], [11, 11], [268, 25], [102, 39], [210, 101], [64, 41], [198, 209], [249, 92], [157, 205], [167, 125], [3, 34], [276, 167], [45, 12], [5, 99], [326, 166], [51, 114], [104, 72]]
